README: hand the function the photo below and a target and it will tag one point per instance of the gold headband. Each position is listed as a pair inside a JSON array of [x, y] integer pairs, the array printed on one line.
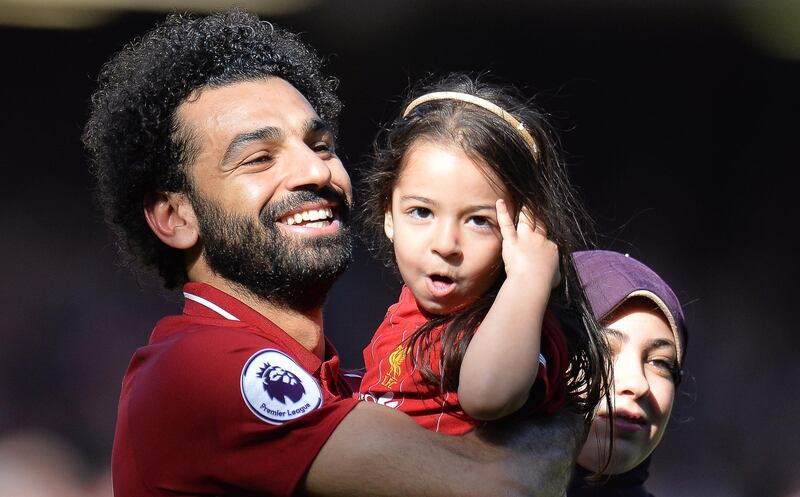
[[480, 102]]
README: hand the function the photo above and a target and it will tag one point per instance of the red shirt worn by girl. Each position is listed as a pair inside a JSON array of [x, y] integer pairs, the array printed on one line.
[[391, 379]]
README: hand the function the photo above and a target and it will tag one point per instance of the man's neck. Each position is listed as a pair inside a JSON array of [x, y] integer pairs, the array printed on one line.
[[304, 326]]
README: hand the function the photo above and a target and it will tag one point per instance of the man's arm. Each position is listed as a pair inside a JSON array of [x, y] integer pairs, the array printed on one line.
[[377, 451]]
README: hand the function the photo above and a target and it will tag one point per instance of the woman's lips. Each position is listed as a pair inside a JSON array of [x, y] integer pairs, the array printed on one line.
[[625, 422]]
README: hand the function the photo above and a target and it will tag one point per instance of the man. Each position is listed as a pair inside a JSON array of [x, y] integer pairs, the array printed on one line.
[[213, 144]]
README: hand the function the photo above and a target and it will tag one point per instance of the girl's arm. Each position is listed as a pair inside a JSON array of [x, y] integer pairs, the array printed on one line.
[[502, 360]]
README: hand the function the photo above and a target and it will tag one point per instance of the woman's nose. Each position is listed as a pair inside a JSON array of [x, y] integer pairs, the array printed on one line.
[[629, 376]]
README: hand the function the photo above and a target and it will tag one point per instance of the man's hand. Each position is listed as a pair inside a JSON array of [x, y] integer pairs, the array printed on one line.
[[544, 446], [377, 451]]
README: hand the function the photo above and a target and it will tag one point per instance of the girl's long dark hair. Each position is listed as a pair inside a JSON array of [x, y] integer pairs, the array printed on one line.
[[539, 184]]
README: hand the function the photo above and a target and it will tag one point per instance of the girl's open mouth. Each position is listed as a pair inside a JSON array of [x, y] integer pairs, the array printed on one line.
[[440, 286]]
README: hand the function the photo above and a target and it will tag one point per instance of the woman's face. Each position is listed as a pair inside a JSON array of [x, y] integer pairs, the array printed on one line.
[[644, 355]]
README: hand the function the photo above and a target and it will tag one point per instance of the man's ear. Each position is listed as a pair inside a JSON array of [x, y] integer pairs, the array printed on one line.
[[388, 225], [171, 217]]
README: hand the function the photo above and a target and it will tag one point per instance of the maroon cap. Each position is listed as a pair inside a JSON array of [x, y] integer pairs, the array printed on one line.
[[610, 278]]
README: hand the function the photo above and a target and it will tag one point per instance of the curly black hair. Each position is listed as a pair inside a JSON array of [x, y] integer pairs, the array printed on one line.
[[536, 181], [134, 141]]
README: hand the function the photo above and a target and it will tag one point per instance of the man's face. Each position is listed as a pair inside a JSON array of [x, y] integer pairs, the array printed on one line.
[[270, 194]]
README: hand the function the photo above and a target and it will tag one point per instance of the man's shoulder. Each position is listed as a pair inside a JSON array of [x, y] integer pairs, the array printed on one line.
[[210, 334], [197, 348]]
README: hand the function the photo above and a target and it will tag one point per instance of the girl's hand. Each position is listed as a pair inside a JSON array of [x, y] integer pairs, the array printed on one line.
[[527, 252]]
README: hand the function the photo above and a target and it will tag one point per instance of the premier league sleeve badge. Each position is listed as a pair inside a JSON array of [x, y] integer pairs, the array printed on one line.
[[277, 389]]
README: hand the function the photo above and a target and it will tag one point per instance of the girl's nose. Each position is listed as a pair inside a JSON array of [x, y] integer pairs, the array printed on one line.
[[446, 240]]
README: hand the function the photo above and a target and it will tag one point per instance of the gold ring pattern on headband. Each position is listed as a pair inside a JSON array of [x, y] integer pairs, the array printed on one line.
[[480, 102]]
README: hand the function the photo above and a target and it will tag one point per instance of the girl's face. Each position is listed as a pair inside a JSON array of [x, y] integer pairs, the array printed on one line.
[[644, 354], [443, 223]]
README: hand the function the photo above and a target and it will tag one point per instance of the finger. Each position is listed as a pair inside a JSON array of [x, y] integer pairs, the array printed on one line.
[[526, 217], [507, 229]]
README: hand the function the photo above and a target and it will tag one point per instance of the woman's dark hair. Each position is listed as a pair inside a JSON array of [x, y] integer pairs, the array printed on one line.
[[138, 146], [539, 184]]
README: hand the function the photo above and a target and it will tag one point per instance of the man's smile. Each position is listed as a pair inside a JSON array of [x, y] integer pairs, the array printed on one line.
[[311, 218]]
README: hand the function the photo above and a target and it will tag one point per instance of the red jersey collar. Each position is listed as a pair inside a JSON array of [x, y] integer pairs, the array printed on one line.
[[202, 299]]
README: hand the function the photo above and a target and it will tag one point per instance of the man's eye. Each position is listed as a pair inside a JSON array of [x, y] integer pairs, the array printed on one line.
[[258, 160], [323, 148], [420, 213]]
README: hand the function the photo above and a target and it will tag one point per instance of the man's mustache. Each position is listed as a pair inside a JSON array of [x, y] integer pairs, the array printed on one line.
[[274, 210]]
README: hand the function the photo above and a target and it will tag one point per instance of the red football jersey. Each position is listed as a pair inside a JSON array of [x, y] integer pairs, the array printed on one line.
[[223, 402], [392, 380]]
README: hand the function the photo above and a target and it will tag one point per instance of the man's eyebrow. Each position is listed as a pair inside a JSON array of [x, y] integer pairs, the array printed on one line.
[[242, 139], [316, 125], [313, 125]]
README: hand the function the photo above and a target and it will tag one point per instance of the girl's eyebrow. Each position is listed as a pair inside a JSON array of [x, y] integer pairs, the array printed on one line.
[[417, 198], [476, 208], [428, 201]]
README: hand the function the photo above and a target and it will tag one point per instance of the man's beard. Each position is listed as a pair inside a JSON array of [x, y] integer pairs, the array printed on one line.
[[289, 271]]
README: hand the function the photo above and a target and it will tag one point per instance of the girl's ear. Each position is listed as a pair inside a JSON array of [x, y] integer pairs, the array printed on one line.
[[388, 225], [171, 217]]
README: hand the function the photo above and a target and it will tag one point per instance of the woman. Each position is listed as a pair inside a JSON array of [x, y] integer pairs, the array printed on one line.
[[647, 338]]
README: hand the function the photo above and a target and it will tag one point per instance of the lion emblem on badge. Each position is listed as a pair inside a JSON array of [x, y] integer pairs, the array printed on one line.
[[280, 383]]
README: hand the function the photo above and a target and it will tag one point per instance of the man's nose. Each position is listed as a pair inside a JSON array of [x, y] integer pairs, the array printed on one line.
[[446, 241], [308, 170], [629, 376]]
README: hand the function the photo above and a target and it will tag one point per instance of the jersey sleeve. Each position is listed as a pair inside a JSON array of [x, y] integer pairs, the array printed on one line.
[[195, 427], [550, 389]]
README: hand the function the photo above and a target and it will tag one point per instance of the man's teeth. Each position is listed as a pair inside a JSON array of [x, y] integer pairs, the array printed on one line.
[[309, 215]]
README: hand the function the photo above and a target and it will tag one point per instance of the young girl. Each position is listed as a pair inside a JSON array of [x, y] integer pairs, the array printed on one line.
[[647, 337], [476, 332]]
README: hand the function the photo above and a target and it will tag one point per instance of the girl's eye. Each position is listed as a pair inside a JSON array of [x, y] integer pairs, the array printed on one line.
[[480, 221], [420, 213]]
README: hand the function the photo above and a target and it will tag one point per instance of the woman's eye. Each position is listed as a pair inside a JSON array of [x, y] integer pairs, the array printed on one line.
[[420, 213], [667, 366]]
